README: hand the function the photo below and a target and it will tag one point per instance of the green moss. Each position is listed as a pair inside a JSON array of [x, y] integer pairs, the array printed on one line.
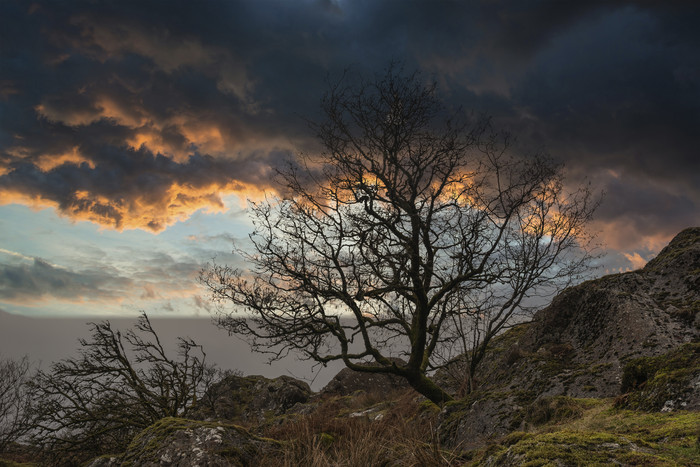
[[650, 381], [515, 437], [556, 409], [428, 406], [325, 439], [146, 444], [9, 463], [601, 435], [156, 434], [508, 339], [575, 449]]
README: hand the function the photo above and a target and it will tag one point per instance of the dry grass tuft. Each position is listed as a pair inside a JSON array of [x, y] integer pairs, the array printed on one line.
[[395, 430]]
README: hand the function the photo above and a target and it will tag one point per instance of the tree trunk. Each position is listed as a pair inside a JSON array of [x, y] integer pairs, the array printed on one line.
[[429, 389]]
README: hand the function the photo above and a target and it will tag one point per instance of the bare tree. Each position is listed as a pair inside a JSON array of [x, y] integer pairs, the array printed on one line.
[[410, 226], [119, 385], [14, 400]]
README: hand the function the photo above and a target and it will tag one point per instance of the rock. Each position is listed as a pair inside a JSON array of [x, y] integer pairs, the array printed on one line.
[[580, 345], [251, 398], [180, 442], [470, 422], [105, 461], [348, 381], [564, 449], [665, 383]]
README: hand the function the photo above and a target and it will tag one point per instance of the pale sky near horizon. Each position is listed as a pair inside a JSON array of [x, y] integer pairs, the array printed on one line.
[[132, 132]]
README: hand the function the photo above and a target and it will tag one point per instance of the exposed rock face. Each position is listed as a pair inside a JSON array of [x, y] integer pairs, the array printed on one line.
[[180, 442], [665, 383], [251, 398], [348, 381], [468, 423], [580, 344]]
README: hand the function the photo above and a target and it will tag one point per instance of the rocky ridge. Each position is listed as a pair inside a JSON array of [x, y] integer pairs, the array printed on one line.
[[580, 345]]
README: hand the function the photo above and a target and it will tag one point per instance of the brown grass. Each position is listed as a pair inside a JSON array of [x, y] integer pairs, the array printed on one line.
[[403, 435]]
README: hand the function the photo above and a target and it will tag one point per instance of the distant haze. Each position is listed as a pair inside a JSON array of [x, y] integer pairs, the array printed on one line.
[[47, 340]]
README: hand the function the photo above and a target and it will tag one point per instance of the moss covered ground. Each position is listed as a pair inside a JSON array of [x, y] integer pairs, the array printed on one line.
[[600, 434], [648, 383]]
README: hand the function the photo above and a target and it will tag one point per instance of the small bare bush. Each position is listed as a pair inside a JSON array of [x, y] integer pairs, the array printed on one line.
[[14, 400], [118, 385]]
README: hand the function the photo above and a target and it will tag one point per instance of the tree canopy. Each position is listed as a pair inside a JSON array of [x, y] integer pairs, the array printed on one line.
[[415, 229]]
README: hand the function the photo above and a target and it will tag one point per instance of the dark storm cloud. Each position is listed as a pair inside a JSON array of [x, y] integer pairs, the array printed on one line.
[[135, 114], [26, 283], [150, 275], [122, 187]]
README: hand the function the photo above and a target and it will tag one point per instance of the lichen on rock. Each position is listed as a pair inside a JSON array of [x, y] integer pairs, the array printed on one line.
[[181, 442], [251, 398]]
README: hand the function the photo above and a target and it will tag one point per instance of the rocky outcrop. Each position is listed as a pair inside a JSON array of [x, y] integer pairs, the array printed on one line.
[[180, 442], [469, 422], [348, 381], [251, 398], [580, 345]]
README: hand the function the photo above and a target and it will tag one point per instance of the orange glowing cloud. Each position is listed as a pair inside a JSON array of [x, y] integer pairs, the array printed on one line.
[[152, 213], [623, 235], [637, 261], [119, 112], [93, 109], [152, 139], [177, 204], [47, 162]]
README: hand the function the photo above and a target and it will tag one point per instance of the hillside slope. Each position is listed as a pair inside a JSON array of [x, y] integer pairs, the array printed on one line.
[[581, 344]]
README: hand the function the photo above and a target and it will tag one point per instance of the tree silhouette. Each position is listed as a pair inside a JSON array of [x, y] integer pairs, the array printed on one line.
[[413, 230], [15, 400], [120, 384]]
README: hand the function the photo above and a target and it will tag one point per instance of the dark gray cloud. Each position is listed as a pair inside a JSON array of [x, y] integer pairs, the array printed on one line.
[[123, 277], [26, 283], [135, 114]]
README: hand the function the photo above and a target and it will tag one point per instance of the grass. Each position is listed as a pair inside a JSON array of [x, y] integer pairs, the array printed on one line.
[[602, 435], [400, 429], [561, 431], [404, 434]]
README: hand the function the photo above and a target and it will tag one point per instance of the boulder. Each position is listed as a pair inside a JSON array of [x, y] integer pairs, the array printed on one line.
[[665, 383], [348, 381], [251, 398], [471, 422], [180, 442]]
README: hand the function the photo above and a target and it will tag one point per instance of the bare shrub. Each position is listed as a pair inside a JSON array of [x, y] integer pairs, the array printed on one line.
[[118, 385], [14, 400]]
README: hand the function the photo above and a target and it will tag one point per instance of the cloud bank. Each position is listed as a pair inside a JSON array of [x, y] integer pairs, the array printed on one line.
[[137, 114]]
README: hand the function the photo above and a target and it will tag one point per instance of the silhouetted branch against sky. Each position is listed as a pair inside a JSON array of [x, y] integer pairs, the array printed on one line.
[[410, 220]]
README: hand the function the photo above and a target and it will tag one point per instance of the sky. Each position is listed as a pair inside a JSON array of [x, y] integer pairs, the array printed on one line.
[[132, 133]]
